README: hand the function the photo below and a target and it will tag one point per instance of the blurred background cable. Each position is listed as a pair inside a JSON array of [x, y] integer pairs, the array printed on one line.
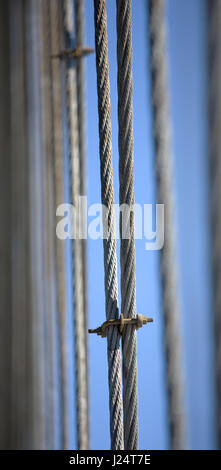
[[164, 178]]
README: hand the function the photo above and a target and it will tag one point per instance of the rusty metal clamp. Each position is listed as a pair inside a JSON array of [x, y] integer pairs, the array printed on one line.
[[139, 321], [76, 53]]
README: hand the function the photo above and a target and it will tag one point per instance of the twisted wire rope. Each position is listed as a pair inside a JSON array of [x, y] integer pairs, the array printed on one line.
[[127, 249], [214, 36], [56, 44], [79, 320], [53, 421], [162, 141], [109, 244], [80, 71]]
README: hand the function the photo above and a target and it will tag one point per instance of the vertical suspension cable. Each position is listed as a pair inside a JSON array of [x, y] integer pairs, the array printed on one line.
[[5, 235], [57, 44], [158, 63], [127, 250], [21, 421], [214, 10], [79, 21], [52, 386], [79, 320], [109, 244], [80, 66]]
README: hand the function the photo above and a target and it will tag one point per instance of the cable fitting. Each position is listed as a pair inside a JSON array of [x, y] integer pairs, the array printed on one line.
[[76, 53], [139, 321]]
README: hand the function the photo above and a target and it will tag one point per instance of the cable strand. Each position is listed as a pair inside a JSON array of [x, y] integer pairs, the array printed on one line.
[[127, 249], [161, 123], [109, 244]]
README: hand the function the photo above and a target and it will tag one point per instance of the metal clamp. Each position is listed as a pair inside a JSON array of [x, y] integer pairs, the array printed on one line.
[[139, 321], [76, 53]]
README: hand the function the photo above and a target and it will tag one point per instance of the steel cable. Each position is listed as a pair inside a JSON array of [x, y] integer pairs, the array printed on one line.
[[109, 244], [158, 64], [214, 32], [127, 250], [79, 320]]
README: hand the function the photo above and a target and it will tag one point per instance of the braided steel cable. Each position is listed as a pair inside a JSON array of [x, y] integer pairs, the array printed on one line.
[[158, 64], [52, 385], [214, 33], [57, 44], [79, 22], [36, 201], [127, 249], [79, 320], [109, 244], [6, 240], [20, 408], [80, 70]]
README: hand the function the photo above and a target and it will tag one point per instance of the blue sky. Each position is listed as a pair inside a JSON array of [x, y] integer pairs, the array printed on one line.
[[188, 86]]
